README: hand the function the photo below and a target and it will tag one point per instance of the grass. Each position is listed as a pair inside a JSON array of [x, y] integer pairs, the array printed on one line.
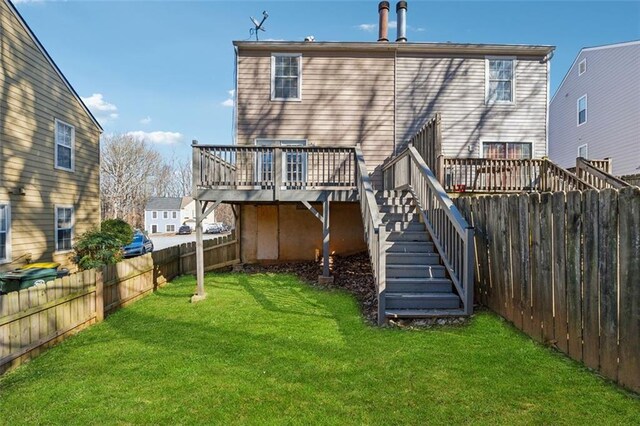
[[269, 349]]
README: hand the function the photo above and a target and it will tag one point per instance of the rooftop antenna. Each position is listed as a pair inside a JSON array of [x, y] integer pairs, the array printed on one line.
[[258, 26]]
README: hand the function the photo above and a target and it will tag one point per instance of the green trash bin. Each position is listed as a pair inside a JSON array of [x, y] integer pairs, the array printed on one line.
[[20, 279]]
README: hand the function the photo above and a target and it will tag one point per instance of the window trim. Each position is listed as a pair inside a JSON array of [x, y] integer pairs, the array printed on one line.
[[55, 226], [586, 110], [273, 77], [166, 227], [165, 214], [502, 140], [584, 61], [8, 258], [174, 214], [586, 150], [154, 214], [55, 144], [275, 142], [514, 60]]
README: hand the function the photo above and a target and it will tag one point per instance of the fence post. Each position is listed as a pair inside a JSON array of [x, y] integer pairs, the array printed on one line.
[[99, 279]]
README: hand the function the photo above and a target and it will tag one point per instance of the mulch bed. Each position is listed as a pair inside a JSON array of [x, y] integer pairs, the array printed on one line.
[[351, 273]]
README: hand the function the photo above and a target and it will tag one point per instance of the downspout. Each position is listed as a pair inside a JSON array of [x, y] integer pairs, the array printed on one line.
[[234, 120], [547, 60]]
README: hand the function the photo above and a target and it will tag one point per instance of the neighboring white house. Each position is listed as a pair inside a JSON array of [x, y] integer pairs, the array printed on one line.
[[595, 113], [167, 214]]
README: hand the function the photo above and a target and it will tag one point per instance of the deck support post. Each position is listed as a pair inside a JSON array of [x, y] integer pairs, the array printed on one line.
[[326, 276], [196, 174]]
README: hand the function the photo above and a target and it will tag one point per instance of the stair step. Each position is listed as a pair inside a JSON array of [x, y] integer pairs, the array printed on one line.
[[422, 301], [404, 208], [419, 285], [410, 247], [400, 217], [404, 259], [399, 270], [423, 313], [395, 201], [392, 194], [408, 236], [416, 226]]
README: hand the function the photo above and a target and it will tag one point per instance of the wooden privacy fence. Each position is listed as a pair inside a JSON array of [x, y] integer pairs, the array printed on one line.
[[565, 269], [39, 317]]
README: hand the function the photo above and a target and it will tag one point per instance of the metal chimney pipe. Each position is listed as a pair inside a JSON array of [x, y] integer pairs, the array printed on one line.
[[401, 10], [383, 12]]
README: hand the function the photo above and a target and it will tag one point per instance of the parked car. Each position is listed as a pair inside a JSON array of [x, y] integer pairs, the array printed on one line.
[[184, 230], [214, 228], [140, 245]]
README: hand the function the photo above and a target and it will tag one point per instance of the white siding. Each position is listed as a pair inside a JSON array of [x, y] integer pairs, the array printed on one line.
[[455, 87], [161, 221], [612, 85]]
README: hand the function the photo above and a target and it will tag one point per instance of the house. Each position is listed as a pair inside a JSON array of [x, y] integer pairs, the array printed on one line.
[[49, 152], [320, 154], [168, 214], [595, 113]]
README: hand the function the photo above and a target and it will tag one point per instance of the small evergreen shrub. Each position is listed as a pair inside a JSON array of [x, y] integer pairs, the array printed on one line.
[[95, 249], [118, 229]]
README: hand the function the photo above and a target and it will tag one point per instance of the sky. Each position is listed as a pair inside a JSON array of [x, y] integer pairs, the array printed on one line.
[[163, 70]]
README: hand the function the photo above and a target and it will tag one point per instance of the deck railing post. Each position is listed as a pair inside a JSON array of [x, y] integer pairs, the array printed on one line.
[[277, 172]]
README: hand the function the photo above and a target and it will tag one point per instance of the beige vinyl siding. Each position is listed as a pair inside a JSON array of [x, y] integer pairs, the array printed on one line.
[[347, 98], [455, 87], [32, 96], [612, 85]]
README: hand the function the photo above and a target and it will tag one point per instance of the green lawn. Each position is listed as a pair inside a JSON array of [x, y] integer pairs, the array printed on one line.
[[269, 349]]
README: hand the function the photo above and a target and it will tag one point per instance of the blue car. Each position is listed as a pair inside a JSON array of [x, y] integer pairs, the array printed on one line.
[[140, 245]]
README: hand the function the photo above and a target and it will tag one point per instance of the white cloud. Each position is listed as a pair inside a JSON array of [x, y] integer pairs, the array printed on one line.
[[145, 120], [103, 110], [367, 27], [160, 138], [229, 101], [393, 24]]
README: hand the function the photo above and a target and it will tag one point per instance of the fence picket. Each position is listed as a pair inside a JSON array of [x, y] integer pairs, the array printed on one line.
[[559, 301], [590, 311], [574, 224]]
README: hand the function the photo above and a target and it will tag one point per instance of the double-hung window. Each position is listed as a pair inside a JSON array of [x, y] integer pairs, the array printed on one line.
[[175, 215], [582, 67], [500, 80], [5, 224], [64, 228], [582, 110], [65, 139], [165, 215], [506, 150], [286, 77], [154, 215]]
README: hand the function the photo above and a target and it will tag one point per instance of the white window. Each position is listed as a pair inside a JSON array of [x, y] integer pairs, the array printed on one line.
[[175, 214], [582, 66], [170, 228], [165, 215], [508, 150], [64, 228], [5, 229], [500, 80], [582, 110], [286, 77], [583, 151], [154, 215], [65, 136]]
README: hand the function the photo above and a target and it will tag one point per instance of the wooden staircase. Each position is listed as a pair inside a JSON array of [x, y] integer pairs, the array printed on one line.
[[417, 283]]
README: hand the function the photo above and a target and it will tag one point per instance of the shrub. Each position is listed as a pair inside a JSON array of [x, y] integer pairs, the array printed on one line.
[[95, 249], [119, 229]]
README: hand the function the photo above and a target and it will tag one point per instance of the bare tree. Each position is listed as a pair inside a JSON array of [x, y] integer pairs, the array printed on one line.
[[130, 172]]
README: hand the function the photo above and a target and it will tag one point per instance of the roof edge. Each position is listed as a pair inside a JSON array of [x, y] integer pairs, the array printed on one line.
[[52, 62], [524, 49]]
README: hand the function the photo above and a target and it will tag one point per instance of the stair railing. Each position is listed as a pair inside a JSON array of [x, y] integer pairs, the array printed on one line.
[[588, 171], [450, 232], [374, 230]]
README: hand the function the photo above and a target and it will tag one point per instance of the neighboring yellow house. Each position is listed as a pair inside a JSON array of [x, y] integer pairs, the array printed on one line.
[[49, 152]]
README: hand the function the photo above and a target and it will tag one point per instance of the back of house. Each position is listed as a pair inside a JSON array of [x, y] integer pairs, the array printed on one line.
[[49, 152], [595, 113], [491, 99]]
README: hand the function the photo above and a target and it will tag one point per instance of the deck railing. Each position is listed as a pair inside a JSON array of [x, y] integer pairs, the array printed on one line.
[[598, 173], [451, 234], [488, 175], [269, 167], [375, 232], [428, 143]]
